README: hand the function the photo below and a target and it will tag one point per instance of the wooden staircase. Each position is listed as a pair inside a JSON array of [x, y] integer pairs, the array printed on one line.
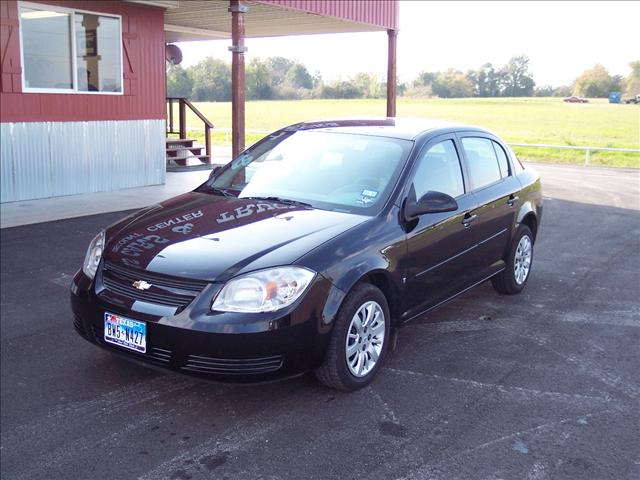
[[184, 155], [181, 152]]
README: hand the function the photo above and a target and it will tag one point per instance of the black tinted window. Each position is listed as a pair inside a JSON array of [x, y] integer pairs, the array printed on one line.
[[439, 171], [502, 160], [482, 161]]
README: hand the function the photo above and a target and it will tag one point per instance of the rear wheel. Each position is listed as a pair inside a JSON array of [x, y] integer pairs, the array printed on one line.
[[514, 277], [359, 340]]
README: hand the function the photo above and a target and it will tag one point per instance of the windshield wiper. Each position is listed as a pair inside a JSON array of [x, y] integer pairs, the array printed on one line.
[[218, 191], [285, 201]]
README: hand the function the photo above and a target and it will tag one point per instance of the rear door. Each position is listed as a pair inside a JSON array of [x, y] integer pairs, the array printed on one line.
[[439, 244], [496, 190]]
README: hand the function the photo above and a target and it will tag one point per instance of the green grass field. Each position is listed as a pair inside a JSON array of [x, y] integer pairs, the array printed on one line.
[[516, 120]]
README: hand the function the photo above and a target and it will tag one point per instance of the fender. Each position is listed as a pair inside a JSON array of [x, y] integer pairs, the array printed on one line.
[[353, 258], [525, 209]]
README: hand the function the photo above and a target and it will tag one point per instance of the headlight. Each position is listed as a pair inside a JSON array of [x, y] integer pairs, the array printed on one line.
[[264, 290], [93, 256]]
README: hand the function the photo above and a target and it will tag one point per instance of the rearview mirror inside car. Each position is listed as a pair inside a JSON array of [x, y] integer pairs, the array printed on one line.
[[215, 170]]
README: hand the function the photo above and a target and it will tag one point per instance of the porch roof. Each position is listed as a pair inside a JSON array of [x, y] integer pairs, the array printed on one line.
[[188, 20]]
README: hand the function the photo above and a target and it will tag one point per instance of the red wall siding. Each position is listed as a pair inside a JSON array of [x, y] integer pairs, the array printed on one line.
[[381, 13], [143, 65]]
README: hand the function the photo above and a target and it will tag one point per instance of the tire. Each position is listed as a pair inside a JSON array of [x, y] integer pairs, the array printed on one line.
[[511, 280], [340, 369]]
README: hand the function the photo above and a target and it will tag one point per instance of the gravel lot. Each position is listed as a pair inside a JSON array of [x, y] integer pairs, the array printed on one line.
[[541, 385]]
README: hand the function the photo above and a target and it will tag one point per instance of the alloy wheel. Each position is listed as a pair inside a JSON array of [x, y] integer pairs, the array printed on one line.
[[365, 338], [522, 262]]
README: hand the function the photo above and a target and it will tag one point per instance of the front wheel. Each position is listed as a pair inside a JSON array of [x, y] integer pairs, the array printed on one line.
[[514, 277], [358, 341]]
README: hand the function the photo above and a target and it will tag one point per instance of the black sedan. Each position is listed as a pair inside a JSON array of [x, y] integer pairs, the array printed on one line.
[[305, 251]]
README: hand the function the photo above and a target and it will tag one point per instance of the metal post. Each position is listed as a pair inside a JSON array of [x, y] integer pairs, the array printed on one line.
[[391, 73], [587, 157], [237, 9]]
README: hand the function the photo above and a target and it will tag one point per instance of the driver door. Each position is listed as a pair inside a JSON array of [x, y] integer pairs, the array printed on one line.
[[439, 246]]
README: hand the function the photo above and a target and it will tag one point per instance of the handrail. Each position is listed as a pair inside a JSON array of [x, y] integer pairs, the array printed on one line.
[[182, 121], [198, 113]]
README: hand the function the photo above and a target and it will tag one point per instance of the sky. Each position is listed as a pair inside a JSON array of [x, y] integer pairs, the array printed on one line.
[[561, 39]]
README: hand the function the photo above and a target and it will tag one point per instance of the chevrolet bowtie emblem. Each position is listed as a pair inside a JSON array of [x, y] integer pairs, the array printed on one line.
[[141, 285]]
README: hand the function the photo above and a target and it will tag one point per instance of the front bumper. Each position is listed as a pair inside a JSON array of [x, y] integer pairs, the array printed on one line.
[[221, 346]]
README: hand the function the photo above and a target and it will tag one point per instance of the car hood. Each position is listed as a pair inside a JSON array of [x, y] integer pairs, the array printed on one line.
[[209, 237]]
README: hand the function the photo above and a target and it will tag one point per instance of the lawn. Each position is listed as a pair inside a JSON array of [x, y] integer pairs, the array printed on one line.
[[516, 120]]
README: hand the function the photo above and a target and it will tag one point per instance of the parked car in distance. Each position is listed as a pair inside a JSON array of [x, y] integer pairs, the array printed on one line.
[[634, 99], [575, 99], [304, 252]]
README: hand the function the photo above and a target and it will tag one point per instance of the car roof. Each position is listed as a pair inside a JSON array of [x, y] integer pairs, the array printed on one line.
[[403, 128]]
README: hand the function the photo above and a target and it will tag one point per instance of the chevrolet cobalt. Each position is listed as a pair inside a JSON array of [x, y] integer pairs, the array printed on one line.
[[304, 252]]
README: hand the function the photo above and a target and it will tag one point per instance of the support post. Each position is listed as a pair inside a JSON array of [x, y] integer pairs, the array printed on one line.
[[391, 73], [182, 111], [237, 9]]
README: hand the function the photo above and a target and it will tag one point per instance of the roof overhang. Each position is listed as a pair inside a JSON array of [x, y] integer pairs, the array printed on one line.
[[188, 20]]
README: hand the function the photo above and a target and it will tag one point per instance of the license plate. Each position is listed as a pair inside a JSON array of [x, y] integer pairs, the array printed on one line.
[[125, 332]]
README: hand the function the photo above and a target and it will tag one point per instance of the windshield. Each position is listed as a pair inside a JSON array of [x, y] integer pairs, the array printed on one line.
[[327, 170]]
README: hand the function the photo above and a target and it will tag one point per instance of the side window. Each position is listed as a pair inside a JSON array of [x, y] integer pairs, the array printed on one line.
[[439, 171], [502, 160], [482, 161]]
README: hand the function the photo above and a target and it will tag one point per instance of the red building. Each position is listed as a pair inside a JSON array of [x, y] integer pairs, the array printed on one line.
[[82, 83]]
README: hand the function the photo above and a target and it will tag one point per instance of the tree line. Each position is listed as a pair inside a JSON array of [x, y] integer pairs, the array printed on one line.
[[281, 78]]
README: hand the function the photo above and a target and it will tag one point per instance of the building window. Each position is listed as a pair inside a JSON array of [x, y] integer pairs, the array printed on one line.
[[69, 51]]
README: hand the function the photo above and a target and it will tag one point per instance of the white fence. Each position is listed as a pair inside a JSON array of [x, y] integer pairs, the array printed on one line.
[[587, 149]]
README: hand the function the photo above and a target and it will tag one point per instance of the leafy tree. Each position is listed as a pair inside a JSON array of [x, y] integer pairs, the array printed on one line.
[[278, 68], [258, 81], [594, 82], [487, 81], [632, 81], [298, 77], [211, 80], [179, 82], [425, 79], [452, 84], [617, 82], [563, 91], [340, 89], [368, 85], [515, 78], [545, 91]]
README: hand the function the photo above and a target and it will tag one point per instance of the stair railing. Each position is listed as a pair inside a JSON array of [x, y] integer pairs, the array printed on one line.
[[183, 103]]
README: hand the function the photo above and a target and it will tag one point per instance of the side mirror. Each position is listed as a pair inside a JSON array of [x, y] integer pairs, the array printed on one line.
[[431, 202], [215, 170]]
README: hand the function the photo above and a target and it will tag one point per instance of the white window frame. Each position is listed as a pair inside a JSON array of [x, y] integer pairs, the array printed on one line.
[[74, 66]]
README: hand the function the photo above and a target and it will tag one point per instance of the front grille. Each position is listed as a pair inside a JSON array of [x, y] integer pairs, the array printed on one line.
[[165, 290], [207, 364]]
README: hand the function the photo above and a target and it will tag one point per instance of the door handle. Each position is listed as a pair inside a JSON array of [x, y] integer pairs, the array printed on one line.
[[512, 199], [468, 219]]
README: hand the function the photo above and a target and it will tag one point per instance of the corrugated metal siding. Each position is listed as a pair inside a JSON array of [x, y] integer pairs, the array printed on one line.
[[144, 85], [40, 160], [381, 13]]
